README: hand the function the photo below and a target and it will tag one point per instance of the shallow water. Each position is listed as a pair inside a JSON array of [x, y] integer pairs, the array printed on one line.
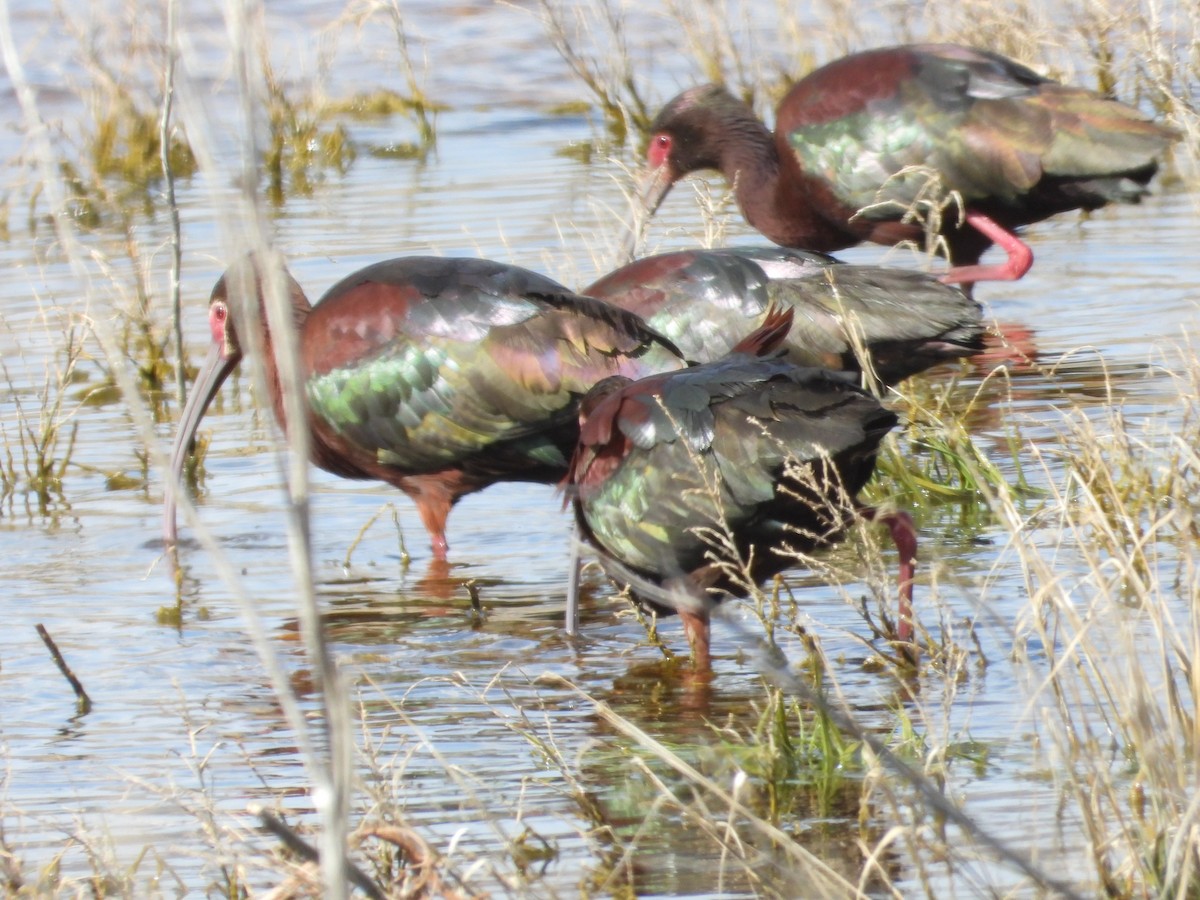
[[184, 716]]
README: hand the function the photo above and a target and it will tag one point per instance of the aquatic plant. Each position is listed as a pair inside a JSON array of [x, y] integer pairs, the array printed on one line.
[[608, 72], [39, 439]]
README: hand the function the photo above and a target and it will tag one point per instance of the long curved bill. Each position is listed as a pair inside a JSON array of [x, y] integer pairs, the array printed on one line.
[[216, 369], [653, 187]]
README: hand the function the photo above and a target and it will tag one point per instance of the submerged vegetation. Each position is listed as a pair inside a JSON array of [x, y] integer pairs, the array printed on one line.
[[815, 781]]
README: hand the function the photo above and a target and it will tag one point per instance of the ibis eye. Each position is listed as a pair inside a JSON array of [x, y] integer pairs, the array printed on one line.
[[217, 314], [660, 149]]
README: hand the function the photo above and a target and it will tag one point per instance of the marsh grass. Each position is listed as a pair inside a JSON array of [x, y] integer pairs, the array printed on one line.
[[1115, 691], [300, 146], [127, 148], [308, 138], [39, 440], [415, 101], [797, 760], [112, 158], [593, 41], [405, 557], [935, 458]]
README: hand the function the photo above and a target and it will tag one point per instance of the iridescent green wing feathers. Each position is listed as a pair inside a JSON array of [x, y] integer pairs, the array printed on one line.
[[707, 448], [707, 300], [455, 367], [992, 128]]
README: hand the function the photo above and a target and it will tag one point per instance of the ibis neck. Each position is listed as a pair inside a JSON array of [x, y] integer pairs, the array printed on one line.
[[300, 311], [748, 158], [776, 196]]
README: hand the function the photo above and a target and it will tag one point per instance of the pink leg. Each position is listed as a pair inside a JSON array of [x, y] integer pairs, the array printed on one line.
[[1020, 256], [439, 546], [904, 535], [696, 627], [434, 511], [435, 495]]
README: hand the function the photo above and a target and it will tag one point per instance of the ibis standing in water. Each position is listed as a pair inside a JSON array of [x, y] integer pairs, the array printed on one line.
[[693, 484], [437, 376], [858, 141], [896, 322]]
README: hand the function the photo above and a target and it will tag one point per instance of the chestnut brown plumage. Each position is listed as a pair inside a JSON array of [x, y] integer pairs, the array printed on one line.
[[438, 376], [857, 141]]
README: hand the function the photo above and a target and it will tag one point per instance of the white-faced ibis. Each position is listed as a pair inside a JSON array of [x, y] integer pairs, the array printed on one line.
[[705, 301], [857, 142], [437, 376], [692, 484]]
